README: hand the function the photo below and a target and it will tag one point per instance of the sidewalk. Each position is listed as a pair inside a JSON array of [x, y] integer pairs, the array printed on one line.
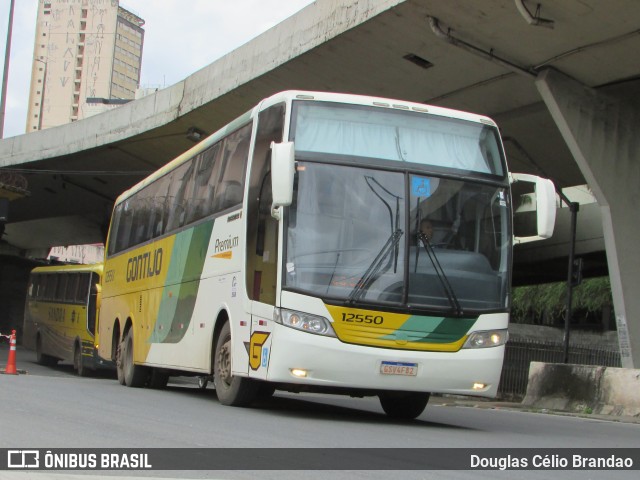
[[493, 404]]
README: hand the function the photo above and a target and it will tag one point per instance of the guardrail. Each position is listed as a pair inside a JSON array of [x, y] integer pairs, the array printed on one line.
[[520, 353]]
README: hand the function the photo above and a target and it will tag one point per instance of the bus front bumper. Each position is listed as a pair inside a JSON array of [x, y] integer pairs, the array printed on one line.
[[310, 360]]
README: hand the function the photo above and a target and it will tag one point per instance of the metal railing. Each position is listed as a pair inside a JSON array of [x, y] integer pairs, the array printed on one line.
[[519, 354]]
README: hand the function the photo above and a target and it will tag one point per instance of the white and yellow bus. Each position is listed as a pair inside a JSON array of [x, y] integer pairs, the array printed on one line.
[[285, 251], [60, 316]]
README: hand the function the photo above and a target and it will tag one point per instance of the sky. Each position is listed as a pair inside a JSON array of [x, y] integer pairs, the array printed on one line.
[[181, 37]]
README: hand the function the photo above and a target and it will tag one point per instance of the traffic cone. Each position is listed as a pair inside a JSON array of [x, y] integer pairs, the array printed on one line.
[[11, 361]]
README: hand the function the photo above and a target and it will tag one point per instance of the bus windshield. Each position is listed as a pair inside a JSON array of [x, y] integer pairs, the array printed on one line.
[[354, 237], [385, 134]]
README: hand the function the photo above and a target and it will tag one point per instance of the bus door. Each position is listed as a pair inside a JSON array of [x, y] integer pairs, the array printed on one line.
[[262, 241]]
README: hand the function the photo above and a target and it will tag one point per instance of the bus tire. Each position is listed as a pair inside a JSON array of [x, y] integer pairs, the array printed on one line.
[[403, 405], [78, 364], [42, 358], [231, 390], [134, 375], [119, 369]]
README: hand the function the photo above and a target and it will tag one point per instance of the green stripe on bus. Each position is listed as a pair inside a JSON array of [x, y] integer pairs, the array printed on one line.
[[183, 281], [432, 329]]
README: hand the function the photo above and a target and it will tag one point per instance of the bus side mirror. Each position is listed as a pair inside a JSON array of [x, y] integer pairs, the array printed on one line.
[[282, 172], [534, 204]]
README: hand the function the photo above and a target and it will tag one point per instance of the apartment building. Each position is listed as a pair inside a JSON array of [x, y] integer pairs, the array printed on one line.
[[85, 51]]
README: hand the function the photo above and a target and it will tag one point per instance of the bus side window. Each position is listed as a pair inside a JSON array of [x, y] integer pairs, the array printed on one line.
[[161, 206], [42, 289], [60, 292], [123, 224], [83, 287], [34, 283], [200, 201], [177, 211], [71, 292], [234, 159], [90, 288]]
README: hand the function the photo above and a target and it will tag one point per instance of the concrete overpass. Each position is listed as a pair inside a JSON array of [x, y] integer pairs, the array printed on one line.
[[561, 80]]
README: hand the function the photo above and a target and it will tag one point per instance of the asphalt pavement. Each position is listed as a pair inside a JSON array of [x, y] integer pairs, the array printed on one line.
[[26, 365]]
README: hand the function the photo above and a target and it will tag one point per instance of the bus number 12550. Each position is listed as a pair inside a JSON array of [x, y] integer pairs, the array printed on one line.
[[360, 318]]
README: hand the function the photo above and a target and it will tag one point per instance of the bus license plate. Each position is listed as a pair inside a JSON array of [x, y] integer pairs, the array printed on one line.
[[399, 368]]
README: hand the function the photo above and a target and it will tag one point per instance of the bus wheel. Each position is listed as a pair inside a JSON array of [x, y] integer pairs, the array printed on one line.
[[42, 358], [231, 390], [403, 405], [119, 369], [78, 365], [134, 375]]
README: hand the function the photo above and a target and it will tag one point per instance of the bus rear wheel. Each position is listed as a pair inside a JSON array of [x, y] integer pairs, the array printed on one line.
[[42, 358], [118, 361], [133, 375], [230, 389], [403, 405]]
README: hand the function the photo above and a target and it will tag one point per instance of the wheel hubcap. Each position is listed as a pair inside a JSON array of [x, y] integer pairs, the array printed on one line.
[[224, 363]]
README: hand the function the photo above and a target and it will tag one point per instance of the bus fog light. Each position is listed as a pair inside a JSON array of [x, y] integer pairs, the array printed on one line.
[[479, 386], [304, 321], [299, 372], [486, 339]]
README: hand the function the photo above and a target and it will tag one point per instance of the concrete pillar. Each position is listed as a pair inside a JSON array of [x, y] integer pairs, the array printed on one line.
[[603, 134]]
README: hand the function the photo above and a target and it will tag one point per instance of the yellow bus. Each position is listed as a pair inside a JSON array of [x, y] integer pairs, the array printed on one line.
[[60, 316], [285, 252]]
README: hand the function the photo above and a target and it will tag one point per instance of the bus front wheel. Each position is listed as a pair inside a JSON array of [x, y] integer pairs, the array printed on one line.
[[133, 375], [403, 405], [230, 389]]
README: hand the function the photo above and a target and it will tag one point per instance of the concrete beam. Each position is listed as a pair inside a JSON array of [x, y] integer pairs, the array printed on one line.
[[601, 133], [310, 28]]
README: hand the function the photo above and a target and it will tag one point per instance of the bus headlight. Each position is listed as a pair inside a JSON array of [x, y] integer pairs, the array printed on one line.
[[304, 321], [486, 339]]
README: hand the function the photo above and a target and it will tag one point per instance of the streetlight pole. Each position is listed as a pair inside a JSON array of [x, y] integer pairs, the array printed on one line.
[[5, 74]]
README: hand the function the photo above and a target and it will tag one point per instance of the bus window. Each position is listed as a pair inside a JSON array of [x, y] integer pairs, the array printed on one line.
[[61, 287], [203, 194], [71, 291], [180, 180], [42, 286], [83, 287], [230, 187], [123, 226], [50, 288]]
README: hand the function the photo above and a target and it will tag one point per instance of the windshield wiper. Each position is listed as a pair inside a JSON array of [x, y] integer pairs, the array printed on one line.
[[375, 267], [448, 289]]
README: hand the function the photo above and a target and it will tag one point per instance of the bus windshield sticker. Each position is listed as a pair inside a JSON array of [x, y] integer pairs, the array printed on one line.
[[421, 186]]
